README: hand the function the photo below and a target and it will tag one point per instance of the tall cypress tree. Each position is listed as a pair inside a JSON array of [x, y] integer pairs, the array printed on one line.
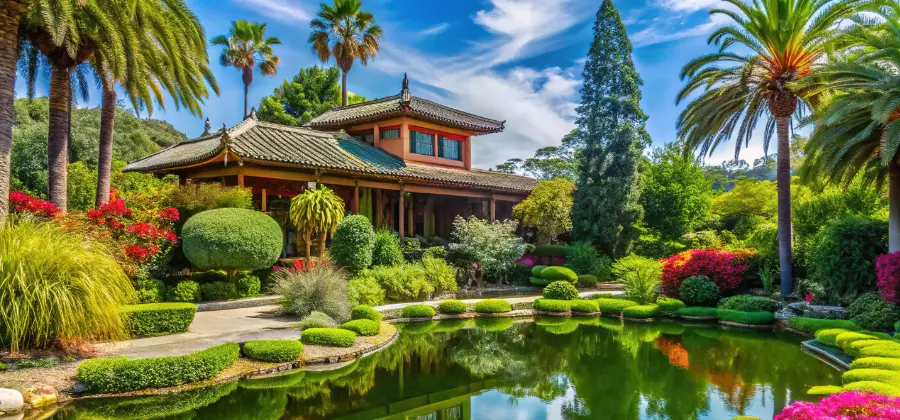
[[611, 125]]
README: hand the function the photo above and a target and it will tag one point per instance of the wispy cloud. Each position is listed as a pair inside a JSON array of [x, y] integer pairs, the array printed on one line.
[[689, 5], [670, 25], [282, 10], [658, 33], [435, 30]]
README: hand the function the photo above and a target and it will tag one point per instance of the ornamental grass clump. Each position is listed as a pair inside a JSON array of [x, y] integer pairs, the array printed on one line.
[[552, 305], [54, 284], [846, 405], [331, 337], [640, 275], [452, 307], [418, 311], [275, 351], [560, 290], [317, 319], [365, 327], [323, 289], [492, 306]]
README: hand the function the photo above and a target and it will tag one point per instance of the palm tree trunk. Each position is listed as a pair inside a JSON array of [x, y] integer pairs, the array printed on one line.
[[324, 237], [247, 76], [104, 160], [783, 171], [58, 137], [894, 212], [11, 13], [343, 88], [307, 238]]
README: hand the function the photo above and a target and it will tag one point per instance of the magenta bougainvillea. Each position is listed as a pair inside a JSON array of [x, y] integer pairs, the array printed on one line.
[[724, 268], [528, 260], [887, 268], [845, 406], [143, 234], [25, 204]]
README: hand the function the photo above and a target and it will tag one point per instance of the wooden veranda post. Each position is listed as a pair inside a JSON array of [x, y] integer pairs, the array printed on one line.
[[354, 203], [401, 213]]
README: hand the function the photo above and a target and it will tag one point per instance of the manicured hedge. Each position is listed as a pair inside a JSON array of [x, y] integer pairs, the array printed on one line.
[[332, 337], [846, 338], [560, 290], [698, 311], [418, 311], [874, 375], [829, 336], [853, 348], [876, 363], [614, 306], [750, 303], [588, 280], [232, 239], [452, 307], [121, 374], [365, 312], [554, 273], [550, 251], [887, 349], [750, 318], [276, 351], [158, 318], [217, 290], [363, 327], [552, 305], [640, 311], [536, 270], [669, 304], [872, 386], [584, 306], [537, 281], [492, 306], [811, 325]]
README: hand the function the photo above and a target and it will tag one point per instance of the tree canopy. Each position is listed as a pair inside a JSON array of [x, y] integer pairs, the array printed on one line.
[[548, 209], [310, 93], [676, 193]]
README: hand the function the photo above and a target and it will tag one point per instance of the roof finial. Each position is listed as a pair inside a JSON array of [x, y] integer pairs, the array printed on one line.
[[405, 96], [253, 115], [206, 127]]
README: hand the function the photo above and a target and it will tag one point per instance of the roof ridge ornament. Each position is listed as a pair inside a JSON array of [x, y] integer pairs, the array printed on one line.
[[206, 127], [253, 115], [405, 96], [225, 141]]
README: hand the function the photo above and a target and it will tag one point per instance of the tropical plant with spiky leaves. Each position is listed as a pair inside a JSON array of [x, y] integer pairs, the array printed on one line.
[[316, 212], [344, 31], [787, 40], [246, 45]]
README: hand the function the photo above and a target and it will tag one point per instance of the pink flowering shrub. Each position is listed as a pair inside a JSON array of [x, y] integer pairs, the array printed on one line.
[[142, 235], [887, 268], [845, 406], [528, 260], [24, 204], [724, 268]]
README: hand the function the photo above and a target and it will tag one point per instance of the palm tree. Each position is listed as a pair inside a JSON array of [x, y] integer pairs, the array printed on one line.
[[166, 47], [318, 211], [344, 32], [246, 44], [786, 39]]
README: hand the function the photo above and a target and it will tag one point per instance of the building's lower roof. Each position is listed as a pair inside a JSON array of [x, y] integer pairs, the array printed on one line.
[[307, 148]]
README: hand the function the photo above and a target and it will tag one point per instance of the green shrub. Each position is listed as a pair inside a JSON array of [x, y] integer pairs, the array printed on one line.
[[3, 367], [232, 240], [401, 283], [323, 289], [492, 306], [353, 243], [614, 306], [185, 291], [560, 290], [552, 305], [876, 387], [435, 252], [248, 285], [876, 363], [811, 325], [641, 276], [749, 303], [363, 326], [493, 324], [872, 375], [640, 311], [331, 337], [584, 259], [518, 274], [529, 248], [439, 274], [750, 318], [699, 291], [550, 251], [452, 307], [219, 290], [587, 280], [539, 282], [120, 374], [887, 349], [557, 273], [317, 319], [829, 336], [584, 306], [158, 318], [36, 363], [698, 311], [871, 312], [365, 291], [275, 351], [418, 311], [843, 254], [150, 291], [536, 270], [852, 349], [387, 249], [57, 284], [365, 312], [669, 304], [199, 197]]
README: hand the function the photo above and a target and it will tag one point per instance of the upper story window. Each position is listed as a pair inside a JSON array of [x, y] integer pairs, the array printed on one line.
[[421, 143], [449, 148], [390, 133], [367, 137]]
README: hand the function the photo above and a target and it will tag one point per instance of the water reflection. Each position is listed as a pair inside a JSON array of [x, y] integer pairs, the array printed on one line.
[[570, 368]]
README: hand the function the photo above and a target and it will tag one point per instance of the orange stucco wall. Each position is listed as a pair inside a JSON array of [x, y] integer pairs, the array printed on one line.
[[400, 146]]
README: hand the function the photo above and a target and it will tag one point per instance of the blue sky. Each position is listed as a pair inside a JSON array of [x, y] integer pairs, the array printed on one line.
[[513, 60]]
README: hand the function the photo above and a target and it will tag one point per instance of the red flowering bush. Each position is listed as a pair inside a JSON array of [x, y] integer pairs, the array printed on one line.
[[143, 234], [845, 406], [724, 268], [22, 203], [887, 268], [528, 260], [299, 264]]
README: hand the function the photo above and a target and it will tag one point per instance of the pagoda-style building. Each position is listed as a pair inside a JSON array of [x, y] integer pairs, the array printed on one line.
[[404, 162]]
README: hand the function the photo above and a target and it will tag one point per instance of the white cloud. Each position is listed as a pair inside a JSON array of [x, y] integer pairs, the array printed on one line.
[[689, 5], [435, 30], [664, 32], [283, 10]]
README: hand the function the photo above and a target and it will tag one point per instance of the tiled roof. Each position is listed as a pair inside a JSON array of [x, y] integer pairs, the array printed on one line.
[[304, 147], [394, 106]]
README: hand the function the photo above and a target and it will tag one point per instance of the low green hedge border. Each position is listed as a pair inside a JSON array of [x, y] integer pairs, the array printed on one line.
[[872, 375], [889, 349], [614, 306], [158, 318], [492, 306], [418, 311], [698, 311], [121, 374], [876, 363], [811, 325], [331, 337], [365, 327], [276, 351], [365, 312], [872, 386], [640, 311], [829, 336], [584, 306], [537, 281], [552, 305], [749, 318], [669, 304], [452, 307]]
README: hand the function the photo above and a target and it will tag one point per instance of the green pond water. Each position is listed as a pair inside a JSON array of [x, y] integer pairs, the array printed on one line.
[[545, 368]]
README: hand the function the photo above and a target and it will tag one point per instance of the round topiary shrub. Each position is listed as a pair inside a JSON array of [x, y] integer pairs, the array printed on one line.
[[587, 280], [640, 311], [387, 250], [418, 311], [218, 290], [365, 327], [232, 240], [699, 291], [332, 337], [353, 243], [452, 307], [492, 306], [248, 285], [536, 270], [871, 312], [365, 312], [554, 273], [184, 291], [275, 351], [669, 304], [584, 306], [551, 305], [561, 290]]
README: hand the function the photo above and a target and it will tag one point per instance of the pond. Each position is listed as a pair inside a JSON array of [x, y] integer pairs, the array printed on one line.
[[500, 368]]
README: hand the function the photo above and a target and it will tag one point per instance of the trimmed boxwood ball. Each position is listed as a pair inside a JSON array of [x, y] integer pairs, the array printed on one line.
[[749, 318], [232, 240], [584, 306], [699, 291], [158, 318], [363, 326], [218, 290], [418, 311], [669, 304], [640, 311], [537, 281], [353, 243], [452, 307], [536, 270], [492, 306], [331, 337], [275, 351], [551, 305], [554, 273], [365, 312], [561, 290]]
